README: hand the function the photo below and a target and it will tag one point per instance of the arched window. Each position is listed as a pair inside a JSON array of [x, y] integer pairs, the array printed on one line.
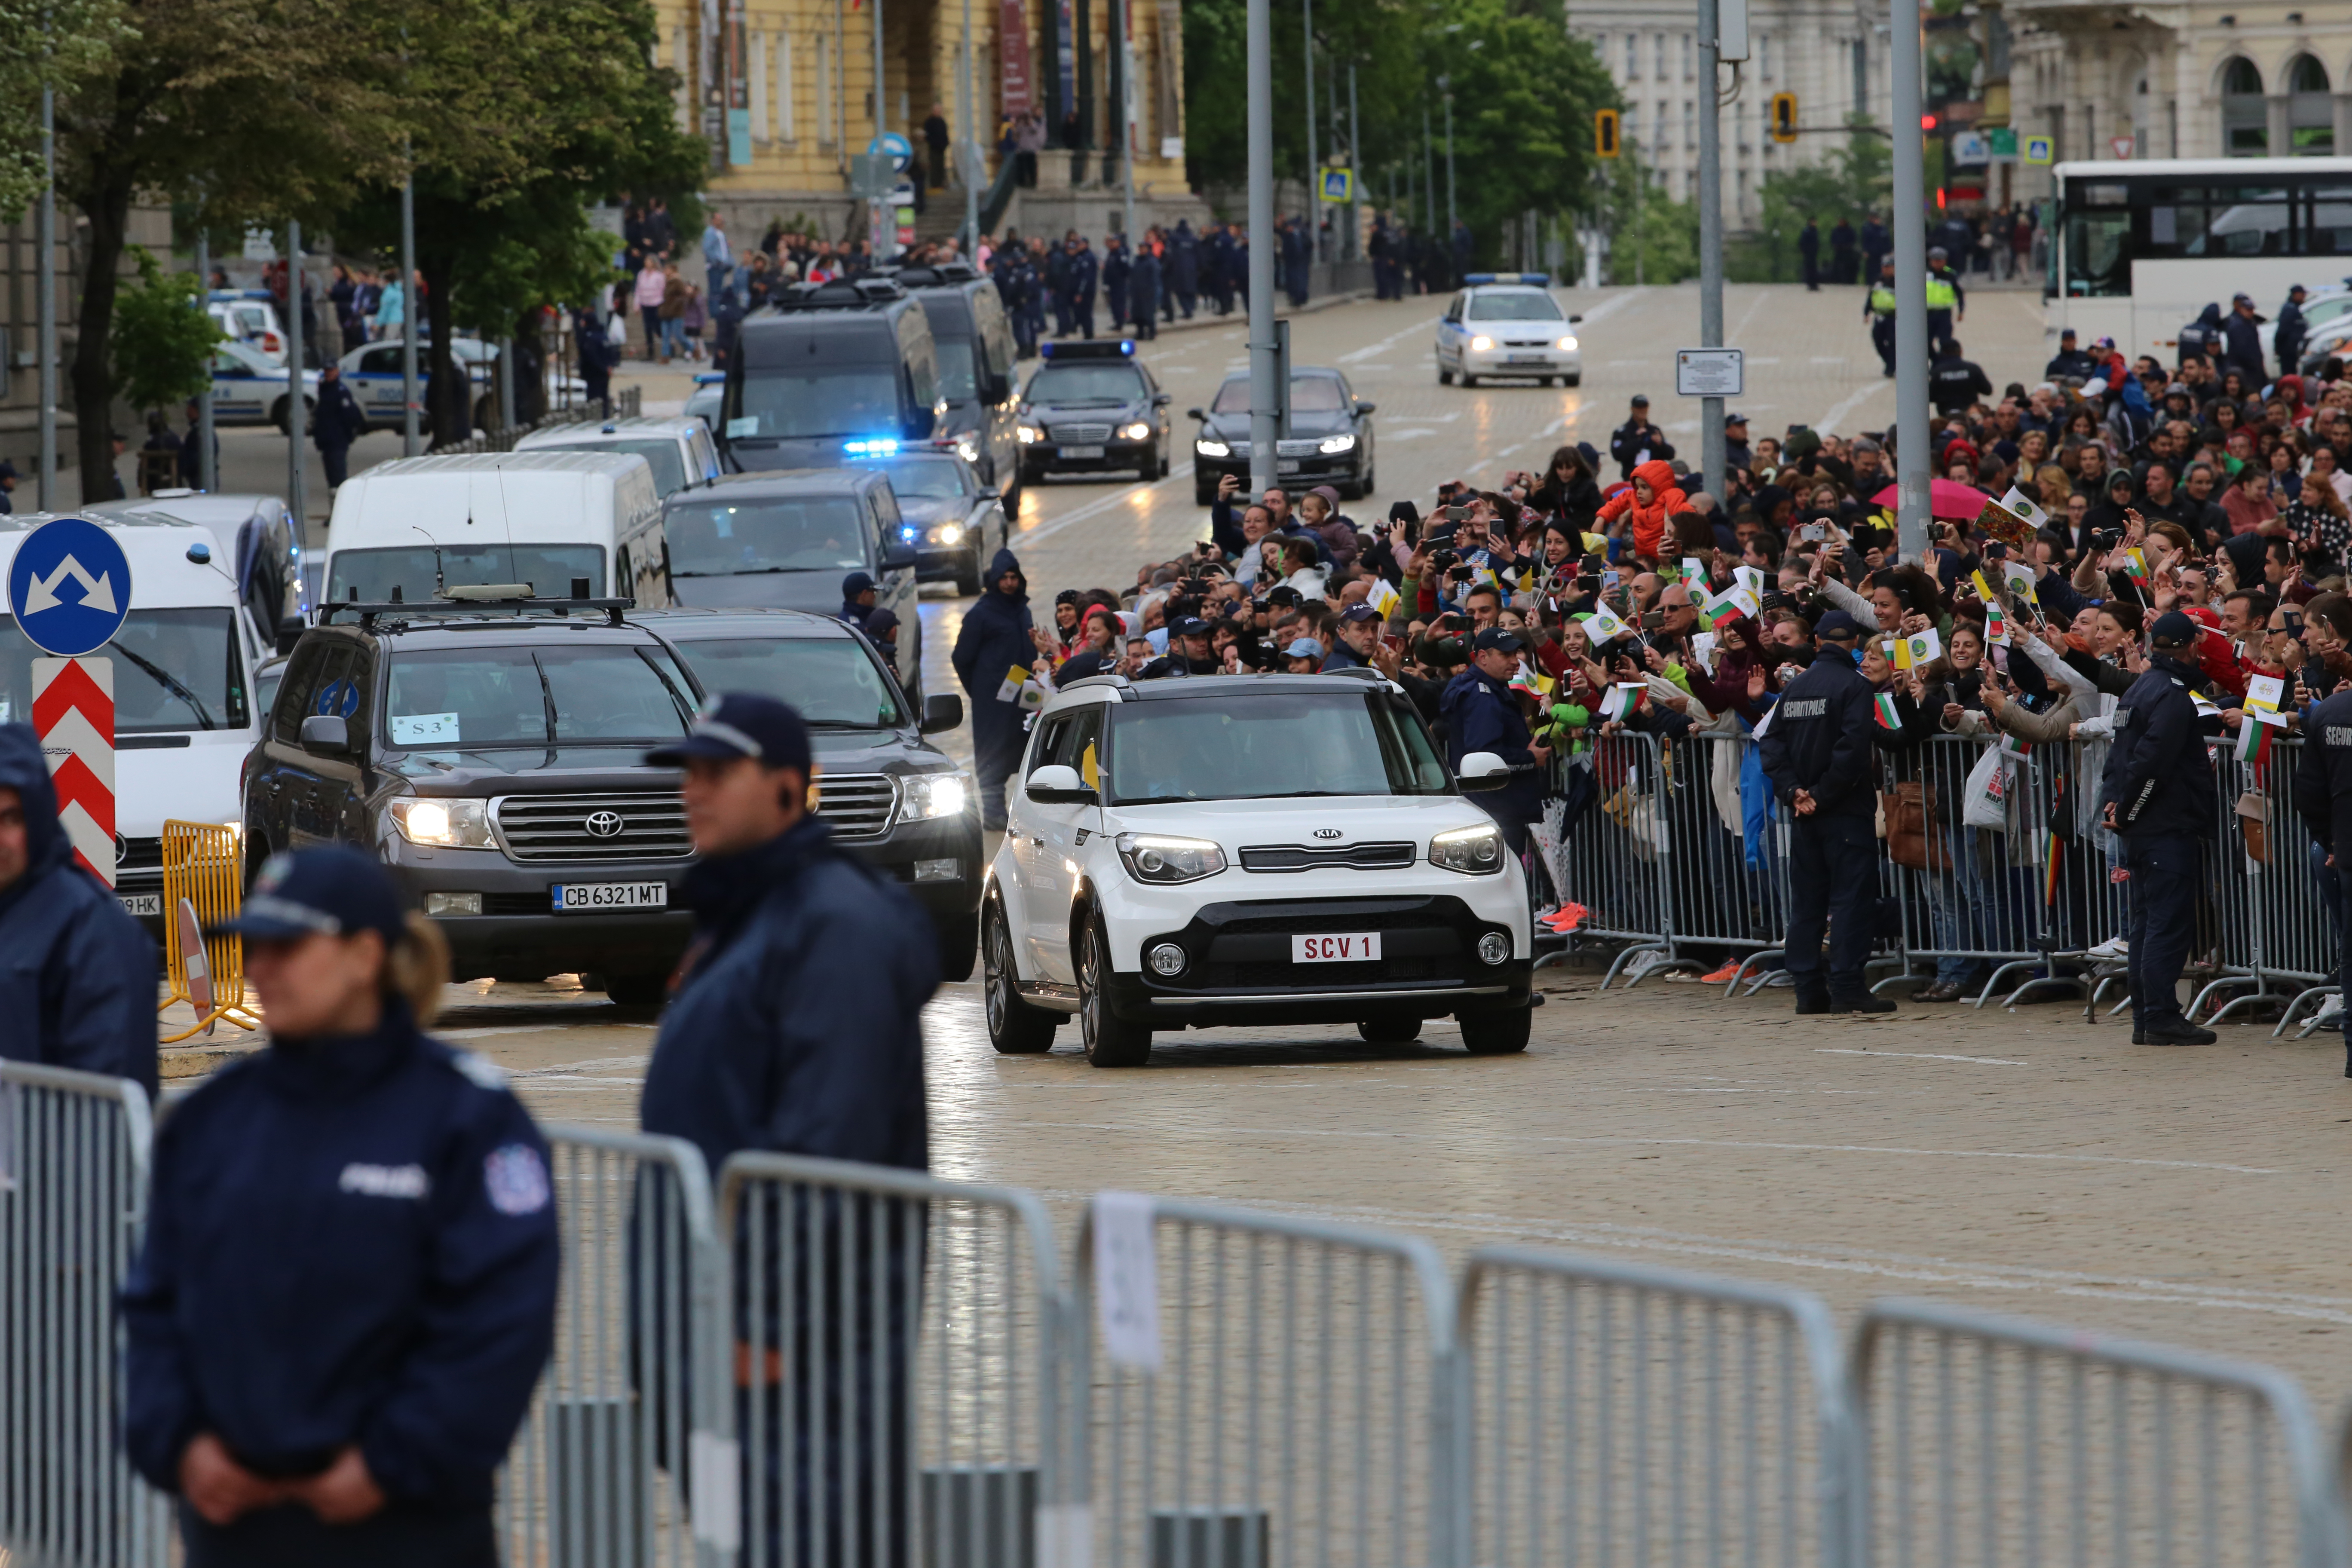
[[2245, 118], [2310, 115]]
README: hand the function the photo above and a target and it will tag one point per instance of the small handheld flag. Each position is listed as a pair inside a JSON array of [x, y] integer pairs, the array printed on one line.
[[1918, 652], [1983, 588], [1884, 706], [1603, 625], [2015, 501], [1996, 624], [1382, 597], [2263, 693], [2136, 566], [2253, 742]]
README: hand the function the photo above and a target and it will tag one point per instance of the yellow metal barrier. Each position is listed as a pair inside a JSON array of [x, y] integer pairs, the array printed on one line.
[[203, 869]]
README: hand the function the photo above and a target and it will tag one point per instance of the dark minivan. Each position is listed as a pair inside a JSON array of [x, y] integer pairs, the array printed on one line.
[[973, 338], [830, 371]]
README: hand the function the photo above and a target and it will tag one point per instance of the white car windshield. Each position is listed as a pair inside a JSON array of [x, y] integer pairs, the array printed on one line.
[[1269, 745], [1308, 395], [173, 669], [1513, 307]]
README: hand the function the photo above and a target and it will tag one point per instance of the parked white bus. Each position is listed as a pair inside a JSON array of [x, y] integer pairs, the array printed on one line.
[[2141, 247]]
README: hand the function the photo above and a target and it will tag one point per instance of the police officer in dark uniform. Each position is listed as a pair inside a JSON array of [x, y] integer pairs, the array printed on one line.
[[2157, 793], [1879, 306], [2323, 794], [1817, 753], [1954, 383], [796, 1027], [348, 1287], [1482, 715]]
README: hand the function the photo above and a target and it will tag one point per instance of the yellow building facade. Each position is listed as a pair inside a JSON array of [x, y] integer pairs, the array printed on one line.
[[783, 93]]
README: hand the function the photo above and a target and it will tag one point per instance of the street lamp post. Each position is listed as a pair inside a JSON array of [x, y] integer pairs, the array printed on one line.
[[1712, 455], [206, 480], [297, 426], [44, 276], [1265, 394], [1911, 463], [1314, 165], [409, 304]]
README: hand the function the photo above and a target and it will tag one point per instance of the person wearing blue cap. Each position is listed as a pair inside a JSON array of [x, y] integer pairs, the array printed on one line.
[[1358, 633], [2156, 795], [1816, 749], [1481, 714], [77, 974], [796, 1027], [856, 598], [347, 1290]]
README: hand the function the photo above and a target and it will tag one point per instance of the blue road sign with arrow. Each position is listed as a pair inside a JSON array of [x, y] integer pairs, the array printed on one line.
[[69, 587]]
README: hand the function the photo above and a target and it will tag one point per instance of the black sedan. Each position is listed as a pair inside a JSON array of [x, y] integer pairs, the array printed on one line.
[[956, 523], [1092, 406], [1330, 439]]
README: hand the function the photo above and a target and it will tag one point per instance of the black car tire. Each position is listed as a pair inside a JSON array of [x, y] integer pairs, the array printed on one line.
[[1111, 1040], [958, 945], [1469, 380], [1160, 465], [1444, 376], [1576, 379], [1496, 1032], [1390, 1031], [1014, 1028], [967, 578], [640, 988]]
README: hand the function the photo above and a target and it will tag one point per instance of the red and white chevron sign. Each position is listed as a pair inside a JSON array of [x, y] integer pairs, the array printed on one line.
[[73, 714]]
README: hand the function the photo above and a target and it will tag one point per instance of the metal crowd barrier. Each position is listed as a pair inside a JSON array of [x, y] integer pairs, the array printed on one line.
[[1611, 843], [73, 1206], [1622, 1412], [1991, 1440], [598, 1475], [1303, 1409], [204, 866], [896, 1348], [2274, 920]]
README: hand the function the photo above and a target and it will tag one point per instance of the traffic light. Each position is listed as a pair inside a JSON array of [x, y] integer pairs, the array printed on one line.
[[1604, 133], [1784, 117]]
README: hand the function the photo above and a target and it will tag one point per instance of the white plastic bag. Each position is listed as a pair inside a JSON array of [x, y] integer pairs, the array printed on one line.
[[1990, 784]]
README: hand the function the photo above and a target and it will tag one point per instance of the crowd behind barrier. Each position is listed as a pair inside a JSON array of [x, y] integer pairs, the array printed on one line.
[[808, 1362]]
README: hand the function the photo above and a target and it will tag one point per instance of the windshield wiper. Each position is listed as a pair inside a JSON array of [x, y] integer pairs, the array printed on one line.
[[847, 724], [750, 571], [1156, 800], [170, 683]]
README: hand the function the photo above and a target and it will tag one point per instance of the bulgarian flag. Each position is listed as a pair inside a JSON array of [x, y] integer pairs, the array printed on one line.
[[1996, 624], [1722, 609], [1888, 718], [1532, 681], [2050, 872], [2254, 743], [2016, 746]]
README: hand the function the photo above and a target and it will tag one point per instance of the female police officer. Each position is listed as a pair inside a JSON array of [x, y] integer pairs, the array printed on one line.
[[347, 1287]]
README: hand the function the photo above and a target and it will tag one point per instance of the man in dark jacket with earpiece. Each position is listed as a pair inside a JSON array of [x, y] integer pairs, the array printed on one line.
[[994, 643]]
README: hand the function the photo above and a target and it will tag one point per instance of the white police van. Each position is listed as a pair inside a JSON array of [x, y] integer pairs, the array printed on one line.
[[184, 711], [1249, 849], [1507, 324]]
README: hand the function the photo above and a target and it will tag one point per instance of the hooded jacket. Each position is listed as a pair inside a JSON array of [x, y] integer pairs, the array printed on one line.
[[77, 975], [994, 640], [1648, 521]]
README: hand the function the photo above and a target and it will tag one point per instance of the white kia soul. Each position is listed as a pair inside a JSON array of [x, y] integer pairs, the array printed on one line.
[[1249, 849]]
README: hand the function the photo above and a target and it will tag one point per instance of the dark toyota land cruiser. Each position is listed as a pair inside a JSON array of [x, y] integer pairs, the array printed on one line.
[[894, 801], [490, 751]]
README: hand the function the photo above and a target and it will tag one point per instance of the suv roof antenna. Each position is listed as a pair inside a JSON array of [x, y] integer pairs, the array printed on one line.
[[437, 585]]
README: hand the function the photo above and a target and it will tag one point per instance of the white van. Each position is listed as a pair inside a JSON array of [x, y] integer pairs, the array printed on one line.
[[679, 449], [542, 518], [259, 541], [184, 711]]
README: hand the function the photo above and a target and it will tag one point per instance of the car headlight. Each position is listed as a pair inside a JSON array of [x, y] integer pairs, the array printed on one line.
[[968, 448], [443, 824], [1138, 431], [948, 533], [1568, 344], [1157, 858], [1473, 851], [1481, 344], [1208, 448], [1030, 433], [927, 797], [1335, 444]]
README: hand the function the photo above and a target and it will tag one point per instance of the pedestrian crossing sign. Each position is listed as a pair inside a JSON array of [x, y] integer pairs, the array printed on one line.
[[1338, 185], [2037, 149]]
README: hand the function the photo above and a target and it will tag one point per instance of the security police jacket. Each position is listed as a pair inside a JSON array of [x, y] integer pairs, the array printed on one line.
[[350, 1240], [797, 1027], [2323, 779], [1481, 715], [2156, 776], [1820, 738]]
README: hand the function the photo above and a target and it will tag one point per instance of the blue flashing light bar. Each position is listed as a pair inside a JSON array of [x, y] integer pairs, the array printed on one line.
[[875, 447], [1090, 348], [1538, 279]]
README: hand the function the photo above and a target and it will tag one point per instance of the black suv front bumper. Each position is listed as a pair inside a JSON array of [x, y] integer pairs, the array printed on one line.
[[1238, 967]]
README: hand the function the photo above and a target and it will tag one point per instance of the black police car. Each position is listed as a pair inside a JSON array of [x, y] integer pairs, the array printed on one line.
[[1093, 407], [489, 750], [955, 523], [894, 800], [1330, 439]]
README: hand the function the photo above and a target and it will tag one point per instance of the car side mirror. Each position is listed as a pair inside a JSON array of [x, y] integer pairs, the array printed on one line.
[[1363, 407], [943, 712], [1573, 320], [1056, 784], [289, 632], [992, 495], [1483, 770], [900, 558], [327, 735], [1163, 399], [1194, 414]]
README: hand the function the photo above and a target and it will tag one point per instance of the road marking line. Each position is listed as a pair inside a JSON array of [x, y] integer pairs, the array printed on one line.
[[1369, 350], [1096, 508], [1614, 302], [533, 1029], [601, 1064], [1702, 1143], [1848, 403], [1916, 1056]]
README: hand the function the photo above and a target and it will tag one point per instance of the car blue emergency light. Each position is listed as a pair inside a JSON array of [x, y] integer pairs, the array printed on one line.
[[872, 446]]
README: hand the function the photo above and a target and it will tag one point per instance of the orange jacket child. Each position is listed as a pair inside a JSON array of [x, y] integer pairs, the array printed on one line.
[[1650, 517]]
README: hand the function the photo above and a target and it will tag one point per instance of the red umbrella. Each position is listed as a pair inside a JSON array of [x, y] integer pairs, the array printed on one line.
[[1946, 499]]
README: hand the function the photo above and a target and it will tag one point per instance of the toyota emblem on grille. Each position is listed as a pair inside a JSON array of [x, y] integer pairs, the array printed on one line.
[[1329, 833], [603, 823]]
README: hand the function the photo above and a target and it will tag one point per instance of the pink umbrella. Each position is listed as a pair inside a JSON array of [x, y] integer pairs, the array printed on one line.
[[1946, 499]]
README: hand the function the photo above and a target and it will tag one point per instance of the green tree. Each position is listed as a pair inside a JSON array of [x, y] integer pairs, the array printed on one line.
[[1651, 236], [265, 109], [163, 336], [1851, 183], [62, 42], [521, 116]]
